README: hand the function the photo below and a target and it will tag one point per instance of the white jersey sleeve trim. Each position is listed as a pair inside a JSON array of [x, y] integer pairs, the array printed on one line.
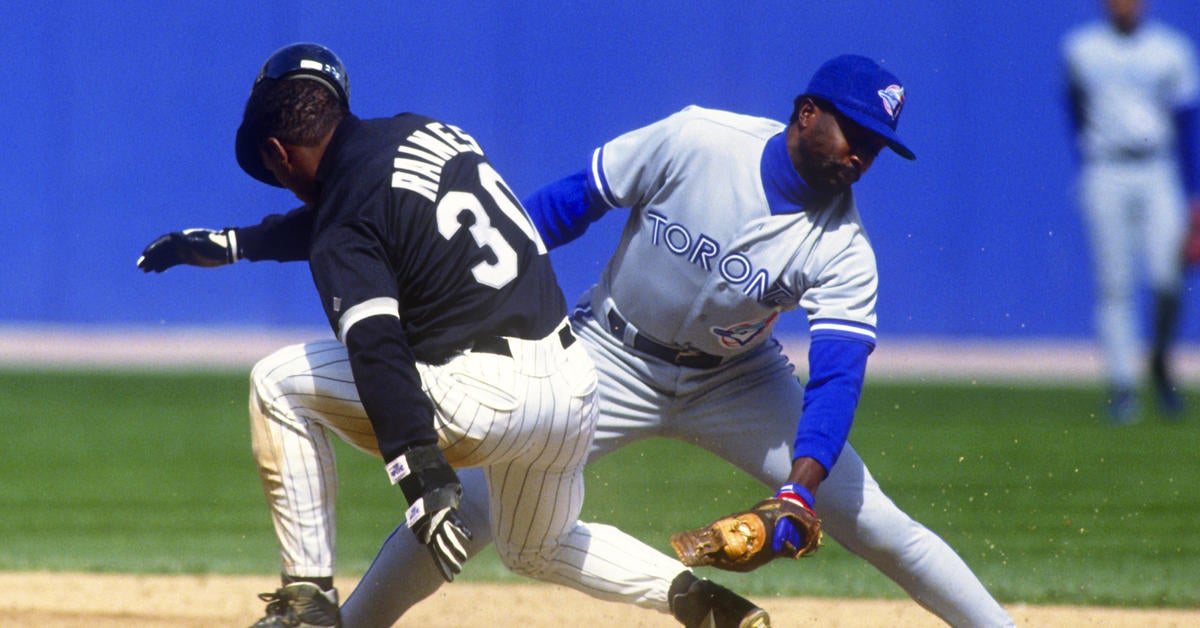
[[231, 243], [843, 329], [379, 306], [602, 181]]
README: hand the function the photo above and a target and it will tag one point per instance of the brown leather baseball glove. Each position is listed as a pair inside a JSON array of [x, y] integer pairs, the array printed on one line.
[[745, 541]]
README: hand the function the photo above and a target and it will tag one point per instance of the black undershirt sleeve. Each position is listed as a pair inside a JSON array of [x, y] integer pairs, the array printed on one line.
[[389, 385], [279, 237]]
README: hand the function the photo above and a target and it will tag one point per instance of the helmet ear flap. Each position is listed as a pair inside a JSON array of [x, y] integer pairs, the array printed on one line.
[[311, 61]]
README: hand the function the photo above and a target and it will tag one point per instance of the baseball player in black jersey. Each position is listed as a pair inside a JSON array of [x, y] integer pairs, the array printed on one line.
[[453, 350]]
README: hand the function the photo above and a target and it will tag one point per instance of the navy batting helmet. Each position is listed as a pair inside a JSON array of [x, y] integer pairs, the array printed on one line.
[[294, 61]]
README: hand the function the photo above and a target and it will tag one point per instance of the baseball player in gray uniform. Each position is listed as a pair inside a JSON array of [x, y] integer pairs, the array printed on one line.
[[732, 221], [453, 350], [1132, 90]]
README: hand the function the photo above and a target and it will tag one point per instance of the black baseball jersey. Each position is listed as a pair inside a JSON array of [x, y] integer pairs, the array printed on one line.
[[417, 248]]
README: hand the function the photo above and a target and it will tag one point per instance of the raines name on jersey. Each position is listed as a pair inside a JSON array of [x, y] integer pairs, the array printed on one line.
[[705, 252], [424, 153]]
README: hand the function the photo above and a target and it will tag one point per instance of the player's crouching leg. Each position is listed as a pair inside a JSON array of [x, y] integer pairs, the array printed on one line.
[[298, 473]]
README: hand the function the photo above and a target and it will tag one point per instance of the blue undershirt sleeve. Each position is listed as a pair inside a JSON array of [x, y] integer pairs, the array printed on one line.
[[562, 210], [837, 367]]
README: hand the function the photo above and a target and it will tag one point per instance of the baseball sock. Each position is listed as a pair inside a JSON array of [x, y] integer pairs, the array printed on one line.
[[325, 583]]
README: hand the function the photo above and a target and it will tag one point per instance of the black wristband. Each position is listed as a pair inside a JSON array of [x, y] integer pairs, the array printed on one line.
[[421, 469]]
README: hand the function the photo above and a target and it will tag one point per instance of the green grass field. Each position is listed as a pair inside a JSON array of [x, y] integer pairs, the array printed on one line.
[[151, 472]]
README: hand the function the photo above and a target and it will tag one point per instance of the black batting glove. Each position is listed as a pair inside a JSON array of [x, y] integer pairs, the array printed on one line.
[[435, 521], [195, 247], [434, 494]]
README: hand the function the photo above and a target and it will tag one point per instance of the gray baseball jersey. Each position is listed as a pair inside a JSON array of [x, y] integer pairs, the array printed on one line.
[[733, 261]]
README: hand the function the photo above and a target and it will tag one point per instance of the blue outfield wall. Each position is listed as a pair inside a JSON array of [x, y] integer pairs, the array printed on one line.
[[119, 120]]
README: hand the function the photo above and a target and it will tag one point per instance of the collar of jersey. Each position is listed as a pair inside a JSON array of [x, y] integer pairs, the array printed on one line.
[[786, 192], [329, 160]]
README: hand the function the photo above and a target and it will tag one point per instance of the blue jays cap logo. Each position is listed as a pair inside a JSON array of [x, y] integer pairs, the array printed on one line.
[[852, 83], [893, 99]]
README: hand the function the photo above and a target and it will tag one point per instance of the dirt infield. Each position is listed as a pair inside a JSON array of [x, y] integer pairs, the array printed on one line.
[[45, 600]]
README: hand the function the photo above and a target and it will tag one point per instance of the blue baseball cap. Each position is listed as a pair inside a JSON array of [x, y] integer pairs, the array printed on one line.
[[864, 92]]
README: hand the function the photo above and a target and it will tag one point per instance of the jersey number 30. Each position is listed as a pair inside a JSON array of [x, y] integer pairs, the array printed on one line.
[[493, 274]]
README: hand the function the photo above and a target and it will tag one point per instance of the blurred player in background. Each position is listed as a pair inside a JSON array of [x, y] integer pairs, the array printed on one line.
[[1132, 91]]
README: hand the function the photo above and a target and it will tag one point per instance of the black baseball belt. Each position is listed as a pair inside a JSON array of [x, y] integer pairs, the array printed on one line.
[[689, 358], [499, 344]]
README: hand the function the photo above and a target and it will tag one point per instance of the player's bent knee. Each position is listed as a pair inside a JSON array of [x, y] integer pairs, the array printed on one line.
[[269, 379], [274, 377], [524, 562], [275, 366]]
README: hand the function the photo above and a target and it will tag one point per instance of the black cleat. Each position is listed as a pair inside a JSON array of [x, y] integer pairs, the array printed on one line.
[[702, 603], [300, 605]]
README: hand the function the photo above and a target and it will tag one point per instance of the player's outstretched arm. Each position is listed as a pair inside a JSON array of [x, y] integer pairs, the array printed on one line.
[[194, 247], [279, 237]]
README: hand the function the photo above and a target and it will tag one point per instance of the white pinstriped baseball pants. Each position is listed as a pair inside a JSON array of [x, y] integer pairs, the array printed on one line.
[[527, 420]]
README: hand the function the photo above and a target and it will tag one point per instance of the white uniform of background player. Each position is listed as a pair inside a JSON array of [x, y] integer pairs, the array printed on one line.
[[722, 236], [1131, 85]]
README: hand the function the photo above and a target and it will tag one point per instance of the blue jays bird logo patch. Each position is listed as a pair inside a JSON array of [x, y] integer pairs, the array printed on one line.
[[743, 333], [893, 99]]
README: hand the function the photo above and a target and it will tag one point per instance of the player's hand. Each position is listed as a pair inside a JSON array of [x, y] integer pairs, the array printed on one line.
[[437, 524], [195, 247], [787, 537], [434, 494], [783, 526]]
